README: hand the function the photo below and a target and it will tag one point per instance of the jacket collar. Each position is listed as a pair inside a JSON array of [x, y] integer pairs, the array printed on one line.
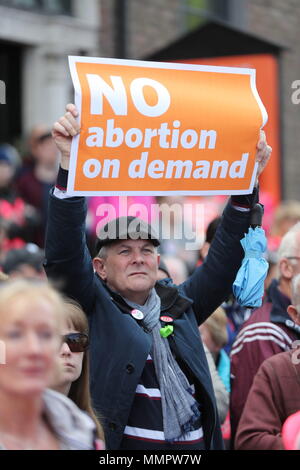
[[172, 302]]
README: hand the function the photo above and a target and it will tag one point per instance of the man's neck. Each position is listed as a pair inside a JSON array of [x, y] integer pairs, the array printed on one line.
[[139, 298], [285, 287], [136, 298]]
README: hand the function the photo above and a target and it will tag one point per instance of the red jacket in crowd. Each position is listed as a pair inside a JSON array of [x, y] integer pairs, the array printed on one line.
[[275, 395], [267, 332]]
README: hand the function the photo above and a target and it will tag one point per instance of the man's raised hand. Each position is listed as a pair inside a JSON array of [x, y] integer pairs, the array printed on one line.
[[63, 131], [263, 153]]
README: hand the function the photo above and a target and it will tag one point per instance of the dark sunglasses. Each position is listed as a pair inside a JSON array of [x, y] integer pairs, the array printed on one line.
[[77, 342]]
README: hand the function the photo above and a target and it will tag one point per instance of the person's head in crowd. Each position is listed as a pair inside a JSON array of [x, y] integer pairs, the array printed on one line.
[[9, 161], [25, 263], [33, 137], [291, 427], [176, 268], [72, 373], [31, 317], [175, 202], [46, 150], [289, 259], [42, 153], [30, 323], [214, 332], [127, 258], [209, 235], [286, 215], [32, 416]]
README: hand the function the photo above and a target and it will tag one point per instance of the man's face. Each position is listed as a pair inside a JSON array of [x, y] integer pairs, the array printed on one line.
[[130, 268], [289, 266], [293, 264]]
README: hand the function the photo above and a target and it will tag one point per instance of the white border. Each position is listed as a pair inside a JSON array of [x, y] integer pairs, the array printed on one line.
[[258, 98], [160, 65], [75, 140]]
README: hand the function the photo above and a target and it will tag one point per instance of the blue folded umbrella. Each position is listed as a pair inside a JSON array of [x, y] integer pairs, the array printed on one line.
[[248, 286]]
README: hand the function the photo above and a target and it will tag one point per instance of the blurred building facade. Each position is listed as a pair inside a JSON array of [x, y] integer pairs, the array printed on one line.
[[279, 21], [148, 26], [36, 36]]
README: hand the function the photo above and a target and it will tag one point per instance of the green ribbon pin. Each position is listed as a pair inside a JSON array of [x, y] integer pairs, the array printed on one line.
[[166, 331]]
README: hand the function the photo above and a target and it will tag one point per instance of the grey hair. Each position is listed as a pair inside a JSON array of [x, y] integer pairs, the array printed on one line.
[[296, 292], [103, 252], [289, 245]]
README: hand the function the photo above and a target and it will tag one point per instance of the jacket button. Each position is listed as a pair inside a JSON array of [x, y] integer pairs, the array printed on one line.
[[112, 426], [129, 368]]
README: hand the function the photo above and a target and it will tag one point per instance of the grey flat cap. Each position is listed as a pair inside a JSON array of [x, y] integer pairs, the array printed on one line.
[[125, 228]]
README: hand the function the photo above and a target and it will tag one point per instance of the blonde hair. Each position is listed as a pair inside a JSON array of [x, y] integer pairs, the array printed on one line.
[[79, 392], [32, 290], [216, 324], [3, 277], [289, 245], [287, 210]]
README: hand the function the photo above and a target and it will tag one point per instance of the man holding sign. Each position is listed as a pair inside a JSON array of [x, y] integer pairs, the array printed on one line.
[[153, 128], [149, 375]]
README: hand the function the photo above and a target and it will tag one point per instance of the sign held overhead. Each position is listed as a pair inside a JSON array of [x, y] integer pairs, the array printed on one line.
[[163, 128]]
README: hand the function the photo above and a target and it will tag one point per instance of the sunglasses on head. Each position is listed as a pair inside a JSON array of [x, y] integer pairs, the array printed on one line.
[[77, 342]]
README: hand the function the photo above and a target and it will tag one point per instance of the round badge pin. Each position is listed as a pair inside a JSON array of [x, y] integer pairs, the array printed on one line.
[[166, 319], [137, 314]]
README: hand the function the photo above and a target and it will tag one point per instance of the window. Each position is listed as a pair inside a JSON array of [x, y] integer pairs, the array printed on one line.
[[55, 7], [198, 11]]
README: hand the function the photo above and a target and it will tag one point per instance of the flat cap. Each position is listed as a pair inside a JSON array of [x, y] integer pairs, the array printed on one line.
[[125, 228]]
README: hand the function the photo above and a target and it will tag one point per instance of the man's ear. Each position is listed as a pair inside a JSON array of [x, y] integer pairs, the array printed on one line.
[[158, 259], [293, 313], [100, 267], [286, 269]]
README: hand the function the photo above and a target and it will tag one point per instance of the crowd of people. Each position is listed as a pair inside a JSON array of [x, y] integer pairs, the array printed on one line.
[[114, 337]]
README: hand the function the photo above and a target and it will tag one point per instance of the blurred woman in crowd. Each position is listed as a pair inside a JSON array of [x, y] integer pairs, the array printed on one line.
[[32, 417], [72, 375], [214, 335], [221, 394]]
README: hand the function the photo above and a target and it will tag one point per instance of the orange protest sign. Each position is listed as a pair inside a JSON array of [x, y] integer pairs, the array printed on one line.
[[163, 128]]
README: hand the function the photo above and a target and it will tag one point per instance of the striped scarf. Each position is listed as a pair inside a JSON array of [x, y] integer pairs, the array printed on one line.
[[180, 409]]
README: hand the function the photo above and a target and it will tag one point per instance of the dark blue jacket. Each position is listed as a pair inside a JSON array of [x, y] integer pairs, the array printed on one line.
[[119, 344]]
